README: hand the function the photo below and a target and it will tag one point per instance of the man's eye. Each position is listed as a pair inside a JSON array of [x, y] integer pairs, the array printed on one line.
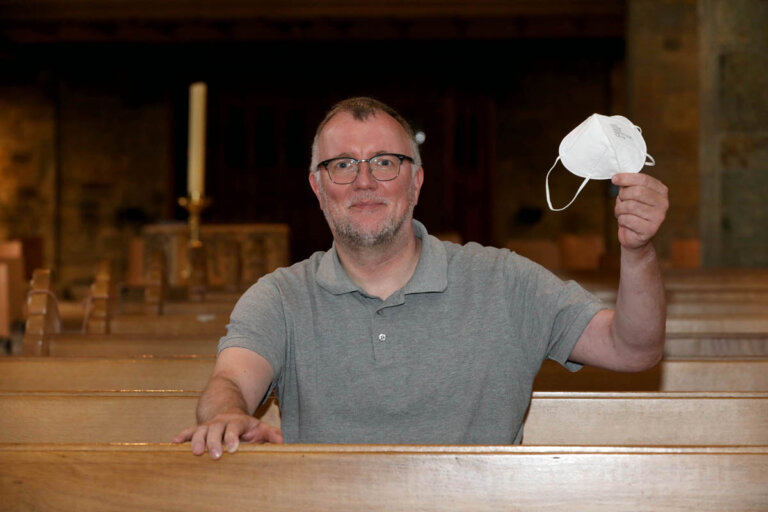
[[384, 161], [342, 165]]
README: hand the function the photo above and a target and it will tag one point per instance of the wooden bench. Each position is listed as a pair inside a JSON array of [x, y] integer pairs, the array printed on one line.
[[122, 345], [97, 374], [712, 344], [755, 323], [669, 375], [554, 418], [192, 373], [103, 478]]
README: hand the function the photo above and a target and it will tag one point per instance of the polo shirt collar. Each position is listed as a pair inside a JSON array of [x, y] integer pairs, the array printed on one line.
[[431, 274]]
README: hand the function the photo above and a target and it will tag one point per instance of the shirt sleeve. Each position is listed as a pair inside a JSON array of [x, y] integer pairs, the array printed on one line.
[[257, 323], [553, 313]]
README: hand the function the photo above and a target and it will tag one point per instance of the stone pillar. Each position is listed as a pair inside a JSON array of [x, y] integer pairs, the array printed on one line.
[[734, 132]]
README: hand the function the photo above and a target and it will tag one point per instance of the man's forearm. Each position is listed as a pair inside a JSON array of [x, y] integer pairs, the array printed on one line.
[[221, 395], [640, 320]]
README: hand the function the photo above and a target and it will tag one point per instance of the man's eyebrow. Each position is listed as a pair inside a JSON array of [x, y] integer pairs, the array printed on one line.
[[375, 153]]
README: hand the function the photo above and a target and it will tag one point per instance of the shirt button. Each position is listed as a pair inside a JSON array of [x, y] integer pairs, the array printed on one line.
[[382, 337]]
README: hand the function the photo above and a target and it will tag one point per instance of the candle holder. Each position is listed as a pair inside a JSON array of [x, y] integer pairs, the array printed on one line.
[[196, 272], [194, 205]]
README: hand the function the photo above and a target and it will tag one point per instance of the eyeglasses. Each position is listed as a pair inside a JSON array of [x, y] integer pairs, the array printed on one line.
[[384, 167]]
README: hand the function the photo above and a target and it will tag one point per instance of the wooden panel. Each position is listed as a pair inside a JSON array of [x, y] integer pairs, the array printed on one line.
[[677, 345], [116, 345], [722, 344], [554, 418], [647, 419], [281, 9], [5, 301], [102, 417], [352, 478], [170, 325], [191, 374], [675, 375], [93, 374], [718, 323]]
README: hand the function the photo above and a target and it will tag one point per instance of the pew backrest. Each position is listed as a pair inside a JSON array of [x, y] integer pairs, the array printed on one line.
[[385, 477], [553, 418], [191, 374], [42, 314]]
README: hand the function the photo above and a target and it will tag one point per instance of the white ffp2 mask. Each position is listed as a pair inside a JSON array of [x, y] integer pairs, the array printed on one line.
[[600, 147]]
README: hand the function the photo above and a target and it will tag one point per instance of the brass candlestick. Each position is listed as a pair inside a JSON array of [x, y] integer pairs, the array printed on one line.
[[194, 205], [196, 271]]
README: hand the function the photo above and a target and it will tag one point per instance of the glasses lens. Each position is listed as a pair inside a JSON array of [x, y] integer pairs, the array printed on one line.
[[385, 167], [342, 170]]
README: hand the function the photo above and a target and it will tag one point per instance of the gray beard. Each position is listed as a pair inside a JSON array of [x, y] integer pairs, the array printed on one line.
[[347, 234], [350, 236]]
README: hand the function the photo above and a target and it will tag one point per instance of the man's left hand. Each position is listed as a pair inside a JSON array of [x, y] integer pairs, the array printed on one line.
[[641, 207]]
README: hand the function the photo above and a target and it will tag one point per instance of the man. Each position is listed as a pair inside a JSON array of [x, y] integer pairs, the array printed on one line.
[[395, 337]]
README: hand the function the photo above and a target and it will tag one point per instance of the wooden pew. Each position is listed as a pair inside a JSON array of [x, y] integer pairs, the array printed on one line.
[[123, 345], [723, 344], [718, 323], [669, 375], [683, 419], [97, 374], [131, 335], [5, 302], [191, 374], [103, 478]]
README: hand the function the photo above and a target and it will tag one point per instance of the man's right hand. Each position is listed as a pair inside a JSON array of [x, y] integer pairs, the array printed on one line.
[[228, 429]]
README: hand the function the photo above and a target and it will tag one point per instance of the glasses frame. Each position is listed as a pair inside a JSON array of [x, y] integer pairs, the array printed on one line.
[[357, 163]]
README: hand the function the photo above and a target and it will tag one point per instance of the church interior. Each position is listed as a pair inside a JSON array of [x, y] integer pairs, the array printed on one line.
[[126, 222]]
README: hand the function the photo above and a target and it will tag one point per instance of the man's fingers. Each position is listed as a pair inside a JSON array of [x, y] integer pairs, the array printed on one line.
[[232, 436], [213, 439], [198, 440], [641, 210], [274, 435], [630, 179], [184, 436]]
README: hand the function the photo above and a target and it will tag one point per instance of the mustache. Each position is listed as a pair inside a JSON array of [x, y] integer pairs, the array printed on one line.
[[366, 198]]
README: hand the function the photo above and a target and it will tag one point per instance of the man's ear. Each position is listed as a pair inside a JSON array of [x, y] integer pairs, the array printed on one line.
[[418, 181], [315, 184]]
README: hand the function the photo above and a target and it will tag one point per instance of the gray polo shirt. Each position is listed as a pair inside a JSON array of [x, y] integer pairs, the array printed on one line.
[[448, 359]]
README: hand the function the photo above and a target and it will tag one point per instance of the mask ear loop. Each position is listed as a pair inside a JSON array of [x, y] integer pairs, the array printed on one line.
[[549, 201], [652, 161]]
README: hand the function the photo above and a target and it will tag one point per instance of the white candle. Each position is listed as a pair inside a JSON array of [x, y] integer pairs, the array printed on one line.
[[196, 149]]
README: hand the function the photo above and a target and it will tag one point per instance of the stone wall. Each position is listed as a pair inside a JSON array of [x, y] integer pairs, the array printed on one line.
[[115, 166], [734, 132], [28, 163]]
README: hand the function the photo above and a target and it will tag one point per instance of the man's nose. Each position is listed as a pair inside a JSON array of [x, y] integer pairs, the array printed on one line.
[[365, 177]]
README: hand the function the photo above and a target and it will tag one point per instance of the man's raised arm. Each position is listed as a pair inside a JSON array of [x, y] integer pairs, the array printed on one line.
[[631, 338], [239, 381]]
